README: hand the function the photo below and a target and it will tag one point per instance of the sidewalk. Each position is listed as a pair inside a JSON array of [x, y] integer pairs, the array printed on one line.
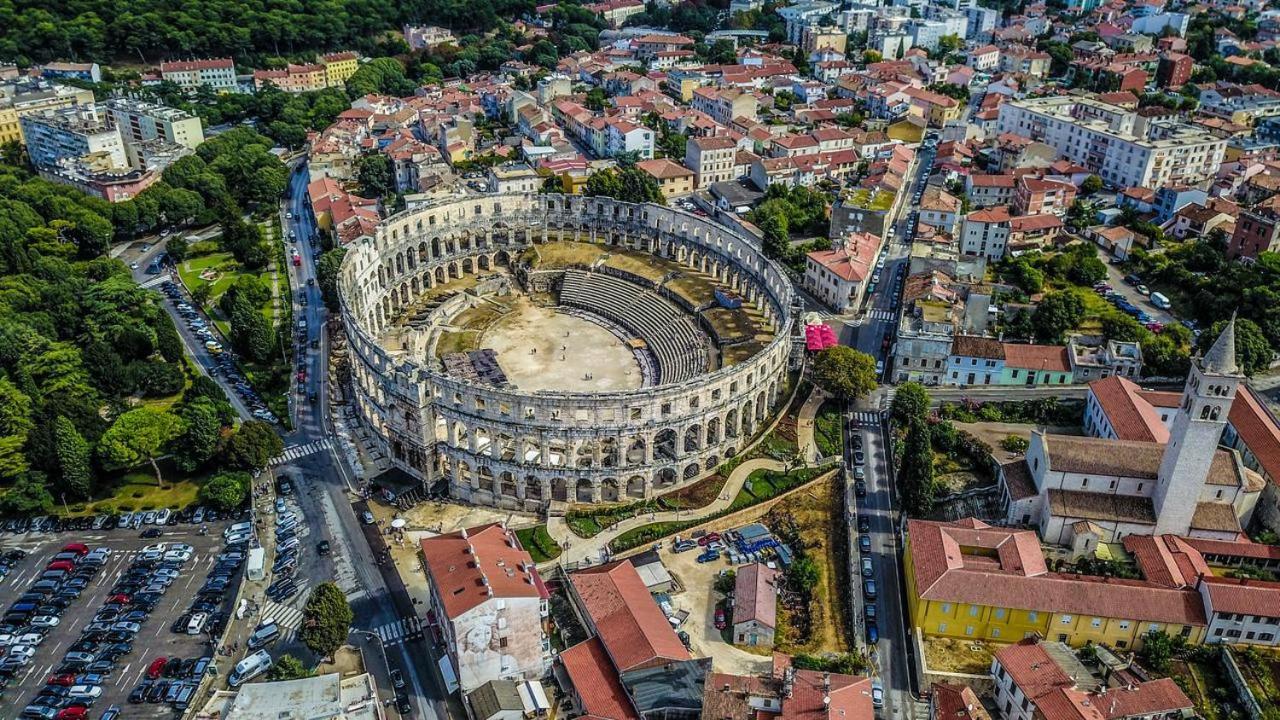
[[804, 424], [579, 550]]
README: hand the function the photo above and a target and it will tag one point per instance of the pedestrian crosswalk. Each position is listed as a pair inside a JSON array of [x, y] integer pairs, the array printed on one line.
[[398, 631], [879, 314], [866, 418], [293, 452], [285, 616]]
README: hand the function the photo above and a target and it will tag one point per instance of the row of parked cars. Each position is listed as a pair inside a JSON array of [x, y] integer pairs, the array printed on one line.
[[195, 515], [226, 364], [284, 584], [77, 684]]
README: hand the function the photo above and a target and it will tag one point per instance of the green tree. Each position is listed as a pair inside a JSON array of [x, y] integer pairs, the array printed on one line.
[[327, 276], [804, 575], [73, 458], [1253, 352], [136, 437], [916, 473], [1091, 185], [844, 372], [203, 433], [29, 495], [177, 247], [629, 184], [289, 667], [1057, 313], [1020, 272], [326, 620], [596, 99], [910, 403], [226, 491], [1157, 650], [252, 446], [376, 175]]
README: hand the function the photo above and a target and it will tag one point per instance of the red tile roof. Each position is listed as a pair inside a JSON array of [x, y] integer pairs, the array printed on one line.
[[1257, 429], [625, 616], [755, 595], [1052, 358], [1167, 559], [598, 687], [1131, 417], [957, 702], [1017, 577], [1229, 548], [1240, 595], [1032, 669], [188, 65], [470, 567]]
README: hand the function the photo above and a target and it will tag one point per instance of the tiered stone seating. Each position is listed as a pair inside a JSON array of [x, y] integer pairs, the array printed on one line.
[[672, 337]]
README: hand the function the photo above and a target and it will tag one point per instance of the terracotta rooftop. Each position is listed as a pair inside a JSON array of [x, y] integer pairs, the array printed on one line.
[[1130, 415], [626, 618], [1245, 596], [957, 702], [471, 567], [598, 687], [755, 595], [1051, 358]]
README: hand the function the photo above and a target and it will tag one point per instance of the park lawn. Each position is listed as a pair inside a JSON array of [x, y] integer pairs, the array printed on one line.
[[538, 543], [138, 490], [222, 262], [649, 533], [762, 485], [827, 429]]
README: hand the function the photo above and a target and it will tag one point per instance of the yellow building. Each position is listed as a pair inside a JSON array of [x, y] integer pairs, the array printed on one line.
[[969, 580], [339, 66], [673, 178], [10, 129]]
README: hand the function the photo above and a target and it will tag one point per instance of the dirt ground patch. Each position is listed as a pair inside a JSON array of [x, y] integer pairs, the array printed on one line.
[[991, 433], [959, 656]]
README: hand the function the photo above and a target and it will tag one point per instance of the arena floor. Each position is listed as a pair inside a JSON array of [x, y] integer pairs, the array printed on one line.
[[589, 350]]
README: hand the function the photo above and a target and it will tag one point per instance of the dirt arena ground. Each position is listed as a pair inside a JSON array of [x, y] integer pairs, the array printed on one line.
[[529, 342]]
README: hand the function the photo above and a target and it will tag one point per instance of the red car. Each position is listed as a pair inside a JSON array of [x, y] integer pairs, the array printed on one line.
[[65, 680], [156, 667], [77, 548], [720, 623], [708, 538], [302, 376], [66, 565], [121, 598], [75, 712]]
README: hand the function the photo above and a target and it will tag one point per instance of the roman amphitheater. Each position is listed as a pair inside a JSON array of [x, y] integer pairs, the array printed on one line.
[[534, 349]]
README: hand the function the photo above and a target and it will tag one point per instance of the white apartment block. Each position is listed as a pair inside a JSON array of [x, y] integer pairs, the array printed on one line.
[[217, 74], [139, 121], [71, 133], [1123, 149], [711, 159], [927, 33]]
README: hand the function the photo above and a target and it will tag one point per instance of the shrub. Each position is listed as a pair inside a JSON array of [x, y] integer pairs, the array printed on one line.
[[1015, 443]]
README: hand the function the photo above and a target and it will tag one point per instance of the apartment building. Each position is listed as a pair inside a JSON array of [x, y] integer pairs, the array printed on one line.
[[140, 122], [711, 159], [71, 134], [488, 604], [1125, 150], [1257, 231], [673, 178], [1036, 196], [338, 67], [20, 98], [986, 232], [838, 277], [217, 74], [293, 78], [724, 105]]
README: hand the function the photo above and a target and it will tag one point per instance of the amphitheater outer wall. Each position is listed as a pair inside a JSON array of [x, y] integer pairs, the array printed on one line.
[[523, 450]]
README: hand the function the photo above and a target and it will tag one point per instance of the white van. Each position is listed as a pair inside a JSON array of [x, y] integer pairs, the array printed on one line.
[[196, 624], [1160, 301], [238, 528], [250, 667], [266, 632]]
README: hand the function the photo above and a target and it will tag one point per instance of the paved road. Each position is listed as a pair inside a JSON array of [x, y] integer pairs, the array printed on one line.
[[1115, 278], [378, 596]]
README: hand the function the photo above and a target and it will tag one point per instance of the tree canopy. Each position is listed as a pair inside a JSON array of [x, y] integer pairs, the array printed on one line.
[[629, 184], [326, 619], [844, 372]]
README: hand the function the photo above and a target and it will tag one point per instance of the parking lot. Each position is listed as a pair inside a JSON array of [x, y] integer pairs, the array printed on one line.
[[122, 654]]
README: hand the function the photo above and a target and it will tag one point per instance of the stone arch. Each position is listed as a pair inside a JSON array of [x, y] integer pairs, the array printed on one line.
[[435, 247], [559, 489], [468, 265], [693, 438], [486, 478], [532, 488], [482, 262], [583, 491], [609, 491], [507, 483], [455, 270], [713, 431], [502, 257], [635, 486], [666, 477], [731, 423], [691, 471], [440, 275], [712, 461], [761, 407], [664, 444], [636, 451], [748, 417], [462, 473]]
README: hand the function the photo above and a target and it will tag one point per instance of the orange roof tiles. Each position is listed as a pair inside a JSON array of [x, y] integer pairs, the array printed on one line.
[[1131, 417], [1052, 358], [755, 595], [598, 687], [626, 618], [470, 567]]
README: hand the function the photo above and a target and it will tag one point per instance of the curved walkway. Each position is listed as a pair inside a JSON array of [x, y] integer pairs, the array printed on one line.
[[577, 550], [583, 550], [804, 423]]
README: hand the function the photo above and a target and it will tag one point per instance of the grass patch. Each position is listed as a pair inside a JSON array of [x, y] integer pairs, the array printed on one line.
[[538, 543], [1205, 682], [636, 537], [958, 656], [137, 490], [811, 522], [763, 485], [827, 429]]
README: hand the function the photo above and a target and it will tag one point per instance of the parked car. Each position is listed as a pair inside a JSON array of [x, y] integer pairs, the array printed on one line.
[[683, 545], [709, 556]]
